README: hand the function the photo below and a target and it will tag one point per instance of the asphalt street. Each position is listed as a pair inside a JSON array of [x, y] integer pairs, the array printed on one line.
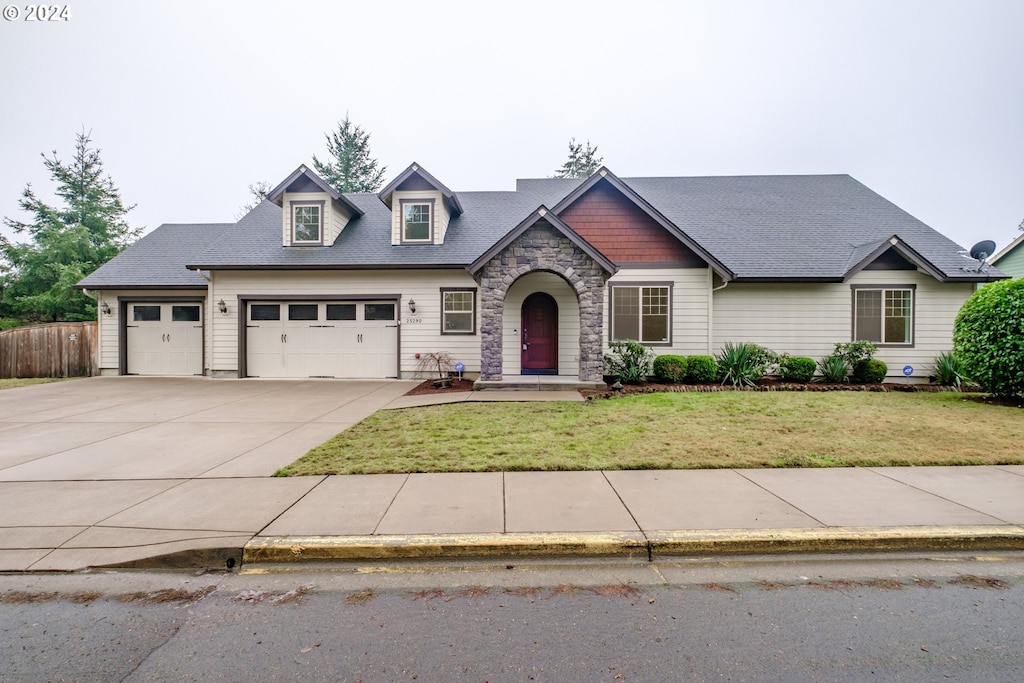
[[836, 618]]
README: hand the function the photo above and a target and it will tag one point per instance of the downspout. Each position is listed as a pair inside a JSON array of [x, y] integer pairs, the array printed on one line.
[[711, 306], [207, 323]]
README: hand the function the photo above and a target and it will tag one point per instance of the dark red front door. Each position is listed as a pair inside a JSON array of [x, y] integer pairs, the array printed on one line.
[[540, 335]]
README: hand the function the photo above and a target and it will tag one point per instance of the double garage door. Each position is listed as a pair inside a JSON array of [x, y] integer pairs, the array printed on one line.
[[348, 339], [164, 338]]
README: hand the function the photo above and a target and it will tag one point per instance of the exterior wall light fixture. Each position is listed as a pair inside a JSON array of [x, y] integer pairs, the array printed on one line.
[[222, 307], [105, 308], [412, 305]]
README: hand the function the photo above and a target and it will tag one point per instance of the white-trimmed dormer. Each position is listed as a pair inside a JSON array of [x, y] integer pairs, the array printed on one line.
[[421, 207], [313, 213]]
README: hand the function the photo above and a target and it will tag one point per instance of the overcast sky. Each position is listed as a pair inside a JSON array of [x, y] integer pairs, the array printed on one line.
[[190, 102]]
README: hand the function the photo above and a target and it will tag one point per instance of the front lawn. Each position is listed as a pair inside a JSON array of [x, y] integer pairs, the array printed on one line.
[[678, 431], [25, 382]]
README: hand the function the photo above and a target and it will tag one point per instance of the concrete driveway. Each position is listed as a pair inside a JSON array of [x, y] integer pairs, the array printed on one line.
[[140, 428]]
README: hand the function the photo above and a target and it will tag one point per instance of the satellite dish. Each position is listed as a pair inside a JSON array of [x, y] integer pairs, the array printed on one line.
[[982, 250]]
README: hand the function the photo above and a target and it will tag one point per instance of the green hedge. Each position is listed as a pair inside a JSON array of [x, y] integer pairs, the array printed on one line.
[[797, 369], [701, 369], [669, 368], [869, 371]]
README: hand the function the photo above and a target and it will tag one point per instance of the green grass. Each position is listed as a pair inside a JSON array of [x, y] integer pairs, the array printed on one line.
[[25, 382], [678, 431]]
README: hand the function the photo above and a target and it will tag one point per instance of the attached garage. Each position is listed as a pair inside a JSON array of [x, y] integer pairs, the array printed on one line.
[[335, 338], [163, 337]]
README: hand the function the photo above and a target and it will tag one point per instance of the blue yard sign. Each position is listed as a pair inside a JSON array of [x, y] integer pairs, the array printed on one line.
[[908, 370]]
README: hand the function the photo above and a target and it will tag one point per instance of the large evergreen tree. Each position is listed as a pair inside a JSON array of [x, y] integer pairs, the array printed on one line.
[[582, 161], [68, 241], [350, 168]]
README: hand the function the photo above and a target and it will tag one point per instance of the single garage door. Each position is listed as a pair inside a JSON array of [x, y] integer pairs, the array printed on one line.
[[345, 339], [164, 338]]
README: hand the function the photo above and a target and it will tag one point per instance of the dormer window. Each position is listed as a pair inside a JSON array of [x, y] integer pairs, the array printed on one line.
[[417, 220], [307, 222]]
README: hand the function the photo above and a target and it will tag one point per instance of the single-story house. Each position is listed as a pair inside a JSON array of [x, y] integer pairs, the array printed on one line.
[[1010, 259], [539, 280]]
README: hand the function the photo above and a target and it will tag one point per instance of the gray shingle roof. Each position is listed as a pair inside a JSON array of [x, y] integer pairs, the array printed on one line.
[[772, 227], [158, 259], [759, 227]]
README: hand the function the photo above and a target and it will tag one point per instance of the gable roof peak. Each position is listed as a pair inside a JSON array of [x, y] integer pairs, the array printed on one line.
[[415, 169], [277, 194], [542, 213]]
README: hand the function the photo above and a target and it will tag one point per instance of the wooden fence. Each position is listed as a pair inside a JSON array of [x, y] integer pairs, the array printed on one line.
[[50, 350]]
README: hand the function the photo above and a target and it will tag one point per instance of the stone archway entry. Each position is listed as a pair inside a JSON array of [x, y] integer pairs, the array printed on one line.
[[539, 335]]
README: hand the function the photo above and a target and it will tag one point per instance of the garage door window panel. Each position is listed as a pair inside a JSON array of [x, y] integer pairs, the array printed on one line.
[[382, 312], [185, 314], [265, 312], [341, 311], [146, 314], [302, 312]]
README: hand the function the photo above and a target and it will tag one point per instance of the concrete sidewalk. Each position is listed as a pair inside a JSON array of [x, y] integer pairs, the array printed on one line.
[[62, 526], [176, 472]]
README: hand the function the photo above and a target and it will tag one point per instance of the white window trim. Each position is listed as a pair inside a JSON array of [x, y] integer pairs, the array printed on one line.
[[640, 286], [320, 228], [429, 203], [912, 288]]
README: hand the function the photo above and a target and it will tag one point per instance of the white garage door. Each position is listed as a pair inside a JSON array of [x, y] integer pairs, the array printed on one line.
[[165, 338], [345, 339]]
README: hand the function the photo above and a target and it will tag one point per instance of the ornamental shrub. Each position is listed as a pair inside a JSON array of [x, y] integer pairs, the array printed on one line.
[[738, 364], [670, 368], [797, 369], [988, 338], [630, 361], [855, 351], [947, 371], [869, 371], [701, 369], [834, 369]]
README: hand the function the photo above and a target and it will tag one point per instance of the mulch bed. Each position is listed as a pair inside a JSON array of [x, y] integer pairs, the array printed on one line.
[[457, 385], [763, 385], [429, 388]]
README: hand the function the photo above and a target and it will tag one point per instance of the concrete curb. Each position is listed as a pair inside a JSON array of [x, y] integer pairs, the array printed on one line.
[[632, 545], [433, 546], [836, 539]]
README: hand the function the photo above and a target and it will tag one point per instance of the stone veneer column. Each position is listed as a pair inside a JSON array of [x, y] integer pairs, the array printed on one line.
[[542, 248]]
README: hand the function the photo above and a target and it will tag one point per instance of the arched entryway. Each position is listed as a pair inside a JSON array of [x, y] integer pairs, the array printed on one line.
[[539, 335]]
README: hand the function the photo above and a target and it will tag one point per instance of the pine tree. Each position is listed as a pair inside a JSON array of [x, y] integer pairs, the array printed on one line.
[[67, 242], [351, 168], [582, 161]]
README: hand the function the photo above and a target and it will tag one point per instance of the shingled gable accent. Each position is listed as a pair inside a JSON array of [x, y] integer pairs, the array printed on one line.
[[605, 175], [543, 214], [303, 179], [409, 175], [898, 246]]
